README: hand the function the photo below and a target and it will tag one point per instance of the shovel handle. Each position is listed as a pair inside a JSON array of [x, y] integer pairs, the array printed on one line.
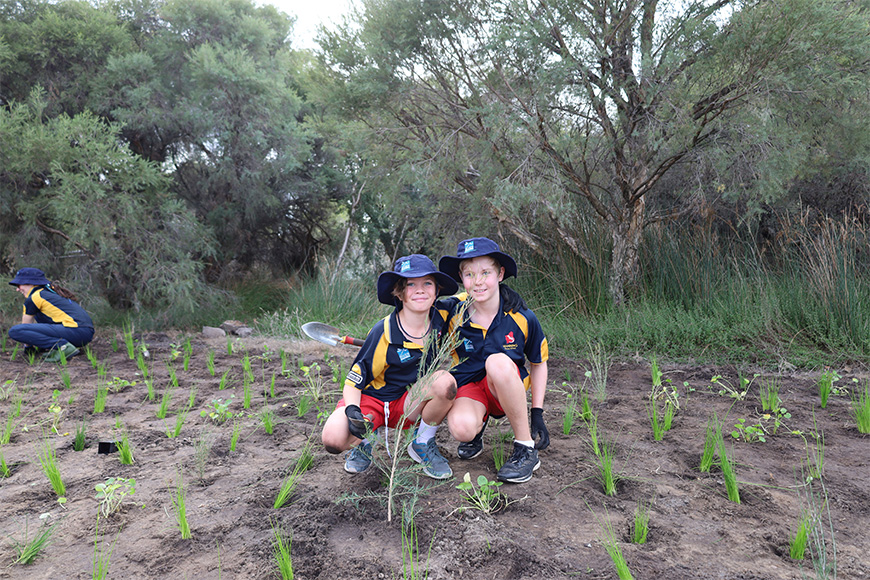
[[350, 340]]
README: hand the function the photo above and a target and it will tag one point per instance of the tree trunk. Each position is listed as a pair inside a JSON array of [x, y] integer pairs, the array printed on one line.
[[624, 262]]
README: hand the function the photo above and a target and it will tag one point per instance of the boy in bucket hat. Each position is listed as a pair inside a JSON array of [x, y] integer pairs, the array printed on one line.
[[376, 391], [496, 335], [52, 319]]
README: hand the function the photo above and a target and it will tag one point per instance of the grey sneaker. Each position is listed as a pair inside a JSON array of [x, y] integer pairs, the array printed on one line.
[[434, 464], [518, 469], [358, 459], [67, 349], [473, 448]]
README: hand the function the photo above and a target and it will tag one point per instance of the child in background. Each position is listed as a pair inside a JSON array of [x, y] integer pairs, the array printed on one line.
[[52, 319], [496, 335], [376, 391]]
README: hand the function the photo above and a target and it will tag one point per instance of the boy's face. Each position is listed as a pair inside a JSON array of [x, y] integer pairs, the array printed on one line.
[[419, 294], [481, 277]]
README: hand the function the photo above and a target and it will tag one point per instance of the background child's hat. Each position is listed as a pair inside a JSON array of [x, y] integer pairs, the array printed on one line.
[[472, 248], [32, 276], [413, 266]]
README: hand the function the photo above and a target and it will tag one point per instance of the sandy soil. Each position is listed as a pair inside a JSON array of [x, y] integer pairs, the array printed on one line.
[[551, 529]]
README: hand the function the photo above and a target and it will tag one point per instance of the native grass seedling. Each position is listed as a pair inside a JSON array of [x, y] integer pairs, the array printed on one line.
[[661, 422], [65, 378], [599, 363], [209, 363], [826, 385], [179, 423], [271, 391], [303, 404], [224, 382], [656, 373], [91, 356], [611, 545], [797, 545], [821, 546], [6, 389], [246, 397], [768, 392], [79, 439], [165, 400], [749, 433], [412, 567], [149, 385], [142, 365], [247, 371], [738, 391], [291, 481], [48, 462], [125, 450], [604, 462], [711, 443], [499, 453], [861, 407], [127, 330], [4, 468], [571, 412], [201, 452], [102, 555], [484, 497], [28, 549], [191, 398], [188, 352], [592, 428], [267, 418], [281, 553], [640, 527], [178, 499], [234, 438], [30, 356], [728, 473], [173, 376], [113, 492]]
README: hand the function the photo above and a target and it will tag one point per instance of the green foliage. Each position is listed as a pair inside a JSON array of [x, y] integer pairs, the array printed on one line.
[[861, 407], [113, 492], [826, 385], [48, 462], [797, 546], [79, 439], [749, 433], [178, 499], [291, 481], [281, 553], [640, 527], [28, 549], [218, 410], [484, 497]]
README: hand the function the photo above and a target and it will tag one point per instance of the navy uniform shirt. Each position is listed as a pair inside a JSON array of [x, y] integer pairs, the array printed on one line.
[[387, 364], [516, 334], [48, 307]]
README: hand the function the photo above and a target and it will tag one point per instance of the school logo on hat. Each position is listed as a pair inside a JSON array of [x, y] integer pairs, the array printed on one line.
[[404, 266], [509, 337], [469, 246]]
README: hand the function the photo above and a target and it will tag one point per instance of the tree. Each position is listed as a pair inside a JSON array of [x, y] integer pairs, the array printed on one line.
[[75, 201], [547, 110]]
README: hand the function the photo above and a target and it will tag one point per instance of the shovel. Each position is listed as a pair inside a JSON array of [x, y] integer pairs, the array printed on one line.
[[328, 334]]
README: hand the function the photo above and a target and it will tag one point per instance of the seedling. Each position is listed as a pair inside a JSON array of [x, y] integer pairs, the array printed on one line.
[[605, 473], [613, 550], [31, 356], [769, 394], [303, 404], [284, 361], [8, 429], [640, 529], [14, 352], [485, 497], [267, 418], [113, 492], [291, 481], [79, 440], [711, 443], [592, 426], [125, 450], [281, 553], [173, 376], [826, 385], [92, 356], [209, 363], [191, 398], [164, 403], [218, 410], [56, 412], [202, 449], [103, 555], [4, 468], [728, 473], [149, 384], [246, 397], [652, 412], [779, 415], [142, 365], [247, 371], [28, 549], [224, 382], [861, 407], [656, 373], [179, 423], [48, 462], [570, 414], [65, 378], [735, 392], [188, 352], [118, 384], [174, 351], [179, 507], [234, 438], [271, 391], [499, 455], [749, 433], [600, 364], [797, 546]]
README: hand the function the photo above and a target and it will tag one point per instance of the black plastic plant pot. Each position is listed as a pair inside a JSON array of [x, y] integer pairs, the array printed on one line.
[[107, 447]]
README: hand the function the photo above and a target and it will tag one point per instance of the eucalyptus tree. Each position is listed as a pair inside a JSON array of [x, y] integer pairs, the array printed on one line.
[[546, 112]]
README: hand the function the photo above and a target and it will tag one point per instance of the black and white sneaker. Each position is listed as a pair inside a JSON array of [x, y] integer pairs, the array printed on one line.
[[522, 463], [473, 448]]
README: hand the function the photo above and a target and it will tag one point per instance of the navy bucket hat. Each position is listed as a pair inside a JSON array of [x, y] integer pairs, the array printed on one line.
[[413, 266], [32, 276], [473, 248]]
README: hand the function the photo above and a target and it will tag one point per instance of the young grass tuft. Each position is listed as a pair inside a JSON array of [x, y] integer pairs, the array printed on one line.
[[165, 399], [611, 545], [4, 469], [728, 473], [179, 506], [599, 362], [79, 440], [861, 407], [281, 553], [604, 462], [48, 462], [797, 546], [826, 385], [640, 529], [291, 481], [102, 554], [100, 398], [570, 414], [769, 394], [711, 442], [234, 438], [28, 549], [592, 426], [179, 423], [125, 450], [209, 363], [267, 418]]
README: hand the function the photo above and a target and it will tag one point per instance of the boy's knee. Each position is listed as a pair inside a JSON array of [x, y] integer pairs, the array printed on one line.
[[500, 363], [332, 450]]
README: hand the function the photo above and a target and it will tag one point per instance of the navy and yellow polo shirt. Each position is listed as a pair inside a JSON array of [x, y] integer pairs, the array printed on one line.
[[387, 364], [516, 334], [48, 307]]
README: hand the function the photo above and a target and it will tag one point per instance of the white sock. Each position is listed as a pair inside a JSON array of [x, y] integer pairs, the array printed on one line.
[[425, 432], [526, 443]]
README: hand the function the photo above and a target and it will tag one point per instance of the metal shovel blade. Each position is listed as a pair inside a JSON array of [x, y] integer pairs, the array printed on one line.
[[321, 332]]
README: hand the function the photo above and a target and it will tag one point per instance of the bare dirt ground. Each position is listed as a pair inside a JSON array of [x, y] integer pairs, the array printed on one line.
[[552, 530]]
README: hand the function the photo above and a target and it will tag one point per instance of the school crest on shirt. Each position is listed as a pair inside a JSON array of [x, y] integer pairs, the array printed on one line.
[[509, 341], [467, 345], [404, 354]]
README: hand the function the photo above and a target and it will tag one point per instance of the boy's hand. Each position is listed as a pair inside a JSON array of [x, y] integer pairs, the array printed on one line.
[[356, 423], [539, 429]]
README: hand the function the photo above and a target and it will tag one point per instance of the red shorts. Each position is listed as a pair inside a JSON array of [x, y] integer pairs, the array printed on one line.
[[373, 410], [479, 391]]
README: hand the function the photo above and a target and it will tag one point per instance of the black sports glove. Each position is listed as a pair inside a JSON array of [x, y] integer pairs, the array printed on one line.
[[539, 429], [356, 423]]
